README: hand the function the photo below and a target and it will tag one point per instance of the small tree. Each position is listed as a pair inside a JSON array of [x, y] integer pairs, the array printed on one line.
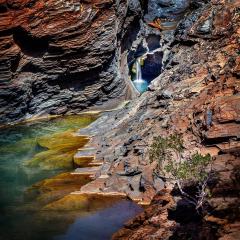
[[168, 154]]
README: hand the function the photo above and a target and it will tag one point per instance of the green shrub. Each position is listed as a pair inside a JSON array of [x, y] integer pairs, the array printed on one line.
[[167, 152], [161, 148]]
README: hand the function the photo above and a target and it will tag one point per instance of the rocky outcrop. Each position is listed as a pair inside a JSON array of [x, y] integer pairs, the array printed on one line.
[[121, 138], [61, 56], [152, 222], [197, 95]]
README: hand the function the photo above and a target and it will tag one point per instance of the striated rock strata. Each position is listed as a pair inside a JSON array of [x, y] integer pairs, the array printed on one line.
[[61, 56], [196, 95]]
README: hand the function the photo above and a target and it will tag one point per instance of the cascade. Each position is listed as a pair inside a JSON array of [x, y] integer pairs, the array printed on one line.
[[138, 70], [140, 84]]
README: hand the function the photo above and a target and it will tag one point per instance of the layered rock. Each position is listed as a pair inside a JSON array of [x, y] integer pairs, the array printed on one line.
[[61, 56], [197, 95]]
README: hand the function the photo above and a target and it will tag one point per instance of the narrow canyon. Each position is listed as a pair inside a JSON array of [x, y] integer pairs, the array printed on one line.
[[88, 87]]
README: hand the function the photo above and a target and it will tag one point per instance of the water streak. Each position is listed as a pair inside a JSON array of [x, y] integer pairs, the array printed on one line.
[[140, 84], [138, 70]]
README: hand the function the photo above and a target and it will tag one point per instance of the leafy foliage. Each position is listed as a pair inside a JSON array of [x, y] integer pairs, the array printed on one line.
[[167, 152], [192, 169], [161, 148]]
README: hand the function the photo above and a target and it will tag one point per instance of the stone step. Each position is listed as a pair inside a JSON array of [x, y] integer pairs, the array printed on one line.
[[86, 170], [113, 194], [95, 163]]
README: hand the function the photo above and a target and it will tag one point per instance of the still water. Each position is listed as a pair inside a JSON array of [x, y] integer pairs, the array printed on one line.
[[35, 182]]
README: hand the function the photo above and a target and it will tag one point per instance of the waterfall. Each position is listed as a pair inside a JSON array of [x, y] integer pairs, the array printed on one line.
[[138, 70], [140, 84]]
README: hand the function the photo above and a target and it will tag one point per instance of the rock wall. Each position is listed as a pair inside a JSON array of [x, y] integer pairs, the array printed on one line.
[[197, 95], [61, 56]]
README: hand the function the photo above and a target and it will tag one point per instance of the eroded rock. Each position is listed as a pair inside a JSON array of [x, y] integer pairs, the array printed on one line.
[[61, 57]]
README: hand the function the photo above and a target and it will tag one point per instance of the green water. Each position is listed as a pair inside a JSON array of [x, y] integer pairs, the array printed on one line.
[[17, 145], [21, 213], [141, 85]]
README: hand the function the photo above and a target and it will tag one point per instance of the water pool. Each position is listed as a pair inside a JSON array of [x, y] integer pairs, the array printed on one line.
[[32, 176]]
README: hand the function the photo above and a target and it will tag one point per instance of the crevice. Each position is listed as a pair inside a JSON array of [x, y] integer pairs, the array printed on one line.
[[15, 63], [214, 141], [30, 67], [131, 35], [75, 81], [29, 44], [3, 8]]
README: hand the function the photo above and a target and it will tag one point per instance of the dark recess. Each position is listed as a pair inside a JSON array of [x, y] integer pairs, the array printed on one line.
[[153, 41], [3, 8], [191, 224], [152, 67], [130, 35], [30, 45]]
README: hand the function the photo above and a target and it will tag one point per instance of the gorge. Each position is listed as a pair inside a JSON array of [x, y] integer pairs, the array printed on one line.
[[94, 82]]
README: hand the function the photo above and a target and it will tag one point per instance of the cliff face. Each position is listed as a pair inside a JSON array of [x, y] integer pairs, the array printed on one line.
[[61, 56], [74, 64], [197, 95]]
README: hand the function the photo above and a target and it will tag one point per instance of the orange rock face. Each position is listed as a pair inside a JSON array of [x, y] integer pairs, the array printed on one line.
[[197, 95], [59, 56]]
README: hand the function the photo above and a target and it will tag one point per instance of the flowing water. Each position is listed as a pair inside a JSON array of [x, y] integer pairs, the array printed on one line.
[[34, 188], [140, 84]]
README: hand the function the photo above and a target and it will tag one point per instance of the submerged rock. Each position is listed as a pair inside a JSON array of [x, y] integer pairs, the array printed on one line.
[[84, 202], [60, 150], [52, 189]]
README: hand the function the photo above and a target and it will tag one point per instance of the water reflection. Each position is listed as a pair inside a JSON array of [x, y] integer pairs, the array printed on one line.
[[101, 225]]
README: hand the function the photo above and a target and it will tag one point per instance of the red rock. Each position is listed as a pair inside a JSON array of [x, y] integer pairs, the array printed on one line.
[[59, 55], [227, 130]]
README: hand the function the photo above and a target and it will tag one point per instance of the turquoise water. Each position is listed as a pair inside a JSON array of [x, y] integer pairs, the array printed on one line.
[[141, 85], [18, 144], [21, 215]]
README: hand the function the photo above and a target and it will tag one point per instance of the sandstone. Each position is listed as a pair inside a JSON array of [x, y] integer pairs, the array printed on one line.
[[86, 170], [52, 189], [85, 203], [228, 130]]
